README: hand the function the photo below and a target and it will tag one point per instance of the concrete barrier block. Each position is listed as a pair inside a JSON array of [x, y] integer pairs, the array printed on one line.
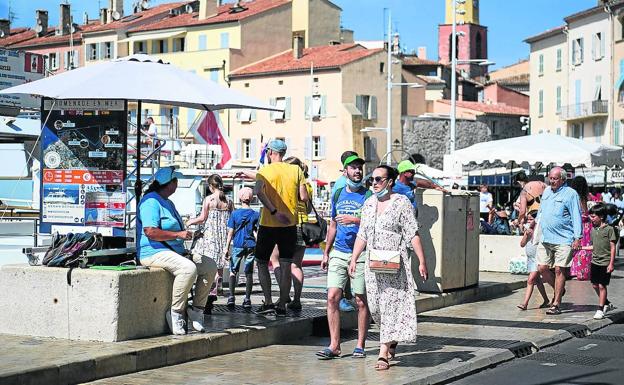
[[115, 365], [495, 252], [77, 372], [151, 358]]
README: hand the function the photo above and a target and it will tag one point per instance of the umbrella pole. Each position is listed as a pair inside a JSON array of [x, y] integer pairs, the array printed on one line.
[[138, 185]]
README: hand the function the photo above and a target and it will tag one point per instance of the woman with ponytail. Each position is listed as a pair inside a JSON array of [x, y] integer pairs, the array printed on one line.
[[215, 213]]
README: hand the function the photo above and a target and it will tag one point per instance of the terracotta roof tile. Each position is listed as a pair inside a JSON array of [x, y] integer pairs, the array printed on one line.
[[415, 61], [223, 16], [431, 79], [51, 38], [17, 35], [127, 22], [498, 109], [522, 79], [323, 57]]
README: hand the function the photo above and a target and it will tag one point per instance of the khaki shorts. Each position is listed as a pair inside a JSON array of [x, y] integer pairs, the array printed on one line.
[[554, 255], [338, 272]]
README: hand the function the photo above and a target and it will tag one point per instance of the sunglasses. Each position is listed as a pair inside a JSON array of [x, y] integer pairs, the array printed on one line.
[[377, 179]]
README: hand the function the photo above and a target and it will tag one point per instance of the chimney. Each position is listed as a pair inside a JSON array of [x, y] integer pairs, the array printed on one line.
[[208, 8], [5, 27], [41, 22], [65, 19], [85, 18], [298, 44], [103, 16], [422, 53], [116, 7], [395, 44]]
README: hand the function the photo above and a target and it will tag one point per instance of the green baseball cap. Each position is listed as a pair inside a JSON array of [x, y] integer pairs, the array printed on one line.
[[406, 165], [352, 159]]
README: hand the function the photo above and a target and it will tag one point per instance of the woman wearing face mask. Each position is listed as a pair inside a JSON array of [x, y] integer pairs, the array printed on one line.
[[388, 223]]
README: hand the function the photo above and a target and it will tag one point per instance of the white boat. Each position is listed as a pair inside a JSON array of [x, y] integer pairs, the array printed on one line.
[[59, 197]]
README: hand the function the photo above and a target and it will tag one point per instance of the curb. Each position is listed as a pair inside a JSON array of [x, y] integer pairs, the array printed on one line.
[[179, 349]]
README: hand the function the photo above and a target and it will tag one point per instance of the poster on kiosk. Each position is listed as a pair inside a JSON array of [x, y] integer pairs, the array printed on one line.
[[84, 166]]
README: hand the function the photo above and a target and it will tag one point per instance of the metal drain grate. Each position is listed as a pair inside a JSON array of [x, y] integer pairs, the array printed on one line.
[[319, 295], [560, 358], [304, 313], [605, 337]]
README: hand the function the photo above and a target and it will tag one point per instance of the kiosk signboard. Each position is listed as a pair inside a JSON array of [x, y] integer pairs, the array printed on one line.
[[84, 163]]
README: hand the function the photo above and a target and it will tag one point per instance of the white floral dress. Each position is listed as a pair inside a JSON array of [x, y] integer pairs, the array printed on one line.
[[391, 297], [215, 235]]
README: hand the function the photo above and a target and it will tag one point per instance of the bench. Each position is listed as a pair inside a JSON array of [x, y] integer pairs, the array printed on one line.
[[99, 305], [495, 252]]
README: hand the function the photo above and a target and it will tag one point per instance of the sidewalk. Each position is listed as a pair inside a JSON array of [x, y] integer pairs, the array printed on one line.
[[453, 342], [34, 360]]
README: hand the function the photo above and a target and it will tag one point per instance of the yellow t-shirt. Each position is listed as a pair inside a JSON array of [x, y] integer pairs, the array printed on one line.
[[281, 186]]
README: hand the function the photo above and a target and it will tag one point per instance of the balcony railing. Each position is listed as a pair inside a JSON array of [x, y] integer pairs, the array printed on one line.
[[585, 110]]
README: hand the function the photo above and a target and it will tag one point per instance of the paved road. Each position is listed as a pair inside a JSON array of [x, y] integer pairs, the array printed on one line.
[[596, 359]]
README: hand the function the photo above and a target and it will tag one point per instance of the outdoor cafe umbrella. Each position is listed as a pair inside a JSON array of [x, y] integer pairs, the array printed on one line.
[[142, 78], [544, 149]]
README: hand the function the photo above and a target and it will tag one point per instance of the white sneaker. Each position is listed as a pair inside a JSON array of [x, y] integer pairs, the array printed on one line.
[[608, 308], [599, 314], [196, 318], [176, 322]]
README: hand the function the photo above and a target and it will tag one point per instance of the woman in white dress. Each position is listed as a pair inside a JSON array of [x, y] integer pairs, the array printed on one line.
[[389, 223]]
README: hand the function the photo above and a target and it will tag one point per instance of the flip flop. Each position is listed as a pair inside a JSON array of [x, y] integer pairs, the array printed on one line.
[[521, 307], [382, 364], [327, 354], [392, 350], [358, 353]]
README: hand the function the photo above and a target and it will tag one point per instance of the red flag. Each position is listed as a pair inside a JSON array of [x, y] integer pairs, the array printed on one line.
[[208, 130]]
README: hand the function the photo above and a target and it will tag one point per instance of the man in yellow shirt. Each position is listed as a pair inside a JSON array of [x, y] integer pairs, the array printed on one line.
[[279, 186]]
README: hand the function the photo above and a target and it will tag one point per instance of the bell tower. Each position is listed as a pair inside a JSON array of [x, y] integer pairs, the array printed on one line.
[[471, 37]]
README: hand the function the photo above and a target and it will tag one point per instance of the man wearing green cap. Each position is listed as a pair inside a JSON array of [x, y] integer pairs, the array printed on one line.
[[406, 186]]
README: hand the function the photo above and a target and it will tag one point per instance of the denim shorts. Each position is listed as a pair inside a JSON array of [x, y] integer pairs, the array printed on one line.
[[243, 255]]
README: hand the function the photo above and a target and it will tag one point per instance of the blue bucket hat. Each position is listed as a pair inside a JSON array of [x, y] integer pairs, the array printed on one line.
[[277, 145], [166, 174]]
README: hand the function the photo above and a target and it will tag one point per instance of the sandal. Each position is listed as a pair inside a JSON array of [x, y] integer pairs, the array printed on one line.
[[382, 364], [392, 350], [358, 353], [554, 310], [521, 307], [327, 354]]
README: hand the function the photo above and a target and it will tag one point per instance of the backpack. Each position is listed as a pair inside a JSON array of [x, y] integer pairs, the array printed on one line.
[[338, 191], [66, 250]]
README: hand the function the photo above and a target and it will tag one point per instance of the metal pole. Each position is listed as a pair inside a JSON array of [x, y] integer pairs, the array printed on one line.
[[453, 77], [310, 114], [389, 90]]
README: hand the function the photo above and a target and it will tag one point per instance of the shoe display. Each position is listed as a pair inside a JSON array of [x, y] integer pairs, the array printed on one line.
[[345, 305], [247, 303], [176, 322], [196, 318], [599, 314], [231, 302]]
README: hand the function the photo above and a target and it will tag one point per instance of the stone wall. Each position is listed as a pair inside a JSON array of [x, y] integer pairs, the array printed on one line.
[[430, 136]]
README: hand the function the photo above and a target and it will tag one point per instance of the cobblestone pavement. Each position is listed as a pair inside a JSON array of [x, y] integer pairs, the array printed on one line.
[[453, 342]]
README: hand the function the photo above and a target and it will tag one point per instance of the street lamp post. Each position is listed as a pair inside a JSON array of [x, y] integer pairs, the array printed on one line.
[[389, 90]]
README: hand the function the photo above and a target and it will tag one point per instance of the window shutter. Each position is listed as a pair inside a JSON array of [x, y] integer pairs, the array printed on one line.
[[101, 51], [373, 109], [322, 147], [287, 109], [238, 115], [598, 89], [616, 132], [254, 145], [239, 149], [307, 148], [581, 49], [66, 59], [273, 102], [373, 146], [324, 106], [595, 47], [307, 106], [574, 51], [358, 104], [602, 44], [76, 59], [253, 115]]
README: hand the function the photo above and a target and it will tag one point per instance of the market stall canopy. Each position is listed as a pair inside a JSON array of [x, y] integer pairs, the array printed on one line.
[[140, 77], [429, 171], [15, 130], [542, 148]]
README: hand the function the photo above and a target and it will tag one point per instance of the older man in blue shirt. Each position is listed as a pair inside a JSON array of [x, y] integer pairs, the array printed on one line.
[[559, 219]]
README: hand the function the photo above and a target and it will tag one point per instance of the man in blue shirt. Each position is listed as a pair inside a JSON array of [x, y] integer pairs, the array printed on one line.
[[406, 185], [345, 223], [559, 219]]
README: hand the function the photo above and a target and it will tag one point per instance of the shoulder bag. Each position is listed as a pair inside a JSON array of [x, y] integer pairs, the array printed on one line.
[[383, 261]]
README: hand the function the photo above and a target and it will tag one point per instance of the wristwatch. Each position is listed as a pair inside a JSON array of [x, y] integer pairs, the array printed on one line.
[[273, 211]]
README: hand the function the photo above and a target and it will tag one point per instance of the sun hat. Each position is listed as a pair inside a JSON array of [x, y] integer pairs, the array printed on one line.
[[166, 174]]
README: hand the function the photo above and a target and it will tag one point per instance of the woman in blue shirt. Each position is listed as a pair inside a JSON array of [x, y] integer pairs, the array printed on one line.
[[161, 236]]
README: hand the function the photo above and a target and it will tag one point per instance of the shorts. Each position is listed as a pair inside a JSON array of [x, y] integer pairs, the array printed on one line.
[[599, 275], [338, 272], [284, 237], [243, 255], [554, 255]]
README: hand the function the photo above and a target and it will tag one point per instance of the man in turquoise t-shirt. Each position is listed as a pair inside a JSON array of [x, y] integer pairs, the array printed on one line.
[[343, 229]]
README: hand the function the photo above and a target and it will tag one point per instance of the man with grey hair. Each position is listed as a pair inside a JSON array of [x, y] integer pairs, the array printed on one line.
[[559, 220]]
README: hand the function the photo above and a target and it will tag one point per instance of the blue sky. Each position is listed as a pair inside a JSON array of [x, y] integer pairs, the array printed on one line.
[[509, 22]]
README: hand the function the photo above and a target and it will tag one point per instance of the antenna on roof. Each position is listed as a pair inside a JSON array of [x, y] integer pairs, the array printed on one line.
[[116, 15], [38, 28], [145, 4], [189, 8]]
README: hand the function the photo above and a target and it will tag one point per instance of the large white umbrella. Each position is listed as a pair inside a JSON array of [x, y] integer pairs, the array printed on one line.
[[140, 77], [542, 148]]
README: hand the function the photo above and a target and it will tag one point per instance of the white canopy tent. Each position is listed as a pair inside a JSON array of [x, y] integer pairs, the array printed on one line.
[[543, 148]]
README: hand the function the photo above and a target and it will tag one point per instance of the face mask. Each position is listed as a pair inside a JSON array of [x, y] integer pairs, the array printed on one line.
[[382, 193], [354, 185]]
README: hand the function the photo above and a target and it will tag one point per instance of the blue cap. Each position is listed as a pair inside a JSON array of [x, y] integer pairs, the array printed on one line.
[[165, 174], [277, 145]]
